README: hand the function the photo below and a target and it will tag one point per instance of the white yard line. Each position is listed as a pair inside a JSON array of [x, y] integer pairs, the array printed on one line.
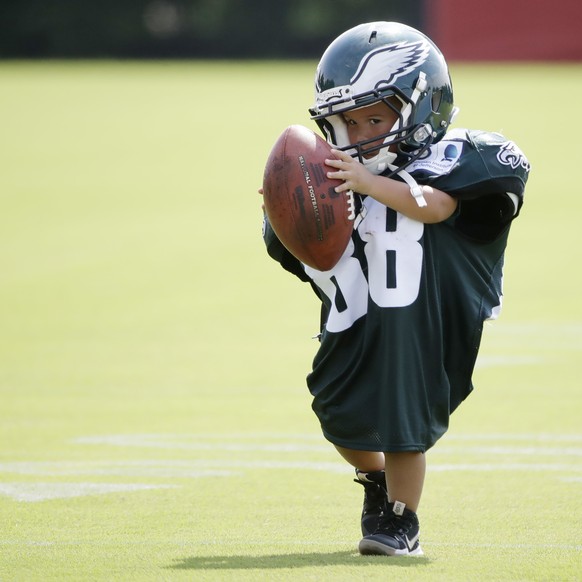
[[33, 492], [556, 454]]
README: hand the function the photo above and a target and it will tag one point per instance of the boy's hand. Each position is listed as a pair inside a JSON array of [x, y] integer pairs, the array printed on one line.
[[354, 174]]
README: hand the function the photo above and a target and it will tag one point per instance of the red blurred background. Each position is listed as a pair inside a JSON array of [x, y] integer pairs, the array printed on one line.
[[501, 30]]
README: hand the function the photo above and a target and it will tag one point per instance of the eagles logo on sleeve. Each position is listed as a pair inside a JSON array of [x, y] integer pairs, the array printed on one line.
[[510, 155]]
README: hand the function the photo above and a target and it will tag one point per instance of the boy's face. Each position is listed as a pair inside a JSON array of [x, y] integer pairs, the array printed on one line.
[[368, 122]]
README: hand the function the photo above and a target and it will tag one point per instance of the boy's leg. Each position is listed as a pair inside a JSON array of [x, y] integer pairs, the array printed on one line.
[[363, 460], [370, 474], [398, 532], [404, 472], [405, 477]]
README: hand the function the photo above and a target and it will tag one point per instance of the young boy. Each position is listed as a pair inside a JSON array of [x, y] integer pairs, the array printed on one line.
[[403, 310]]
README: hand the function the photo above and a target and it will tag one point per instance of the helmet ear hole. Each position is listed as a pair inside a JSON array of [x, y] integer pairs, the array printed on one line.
[[437, 97]]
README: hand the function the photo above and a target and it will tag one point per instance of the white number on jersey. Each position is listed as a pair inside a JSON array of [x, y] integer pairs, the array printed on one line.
[[394, 257]]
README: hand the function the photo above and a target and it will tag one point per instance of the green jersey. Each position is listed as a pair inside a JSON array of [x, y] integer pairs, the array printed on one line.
[[403, 310]]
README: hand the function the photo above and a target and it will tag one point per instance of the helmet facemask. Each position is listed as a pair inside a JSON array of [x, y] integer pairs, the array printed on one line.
[[406, 141]]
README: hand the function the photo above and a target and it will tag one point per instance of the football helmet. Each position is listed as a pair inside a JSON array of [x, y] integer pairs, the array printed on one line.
[[392, 63]]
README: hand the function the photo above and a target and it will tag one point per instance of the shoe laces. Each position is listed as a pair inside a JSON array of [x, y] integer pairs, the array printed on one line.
[[393, 524]]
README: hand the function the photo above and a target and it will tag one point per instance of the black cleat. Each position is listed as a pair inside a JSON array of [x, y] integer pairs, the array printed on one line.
[[375, 498], [398, 534]]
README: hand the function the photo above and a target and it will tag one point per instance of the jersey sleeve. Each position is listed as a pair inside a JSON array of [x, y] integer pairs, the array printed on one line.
[[486, 172], [279, 253]]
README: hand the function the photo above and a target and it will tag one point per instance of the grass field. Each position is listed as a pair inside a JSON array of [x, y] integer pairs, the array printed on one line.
[[154, 422]]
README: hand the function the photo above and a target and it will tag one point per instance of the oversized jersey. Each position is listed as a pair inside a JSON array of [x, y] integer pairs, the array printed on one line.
[[403, 310]]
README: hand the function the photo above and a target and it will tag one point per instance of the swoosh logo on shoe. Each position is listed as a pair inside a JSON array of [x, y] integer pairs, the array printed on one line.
[[411, 542]]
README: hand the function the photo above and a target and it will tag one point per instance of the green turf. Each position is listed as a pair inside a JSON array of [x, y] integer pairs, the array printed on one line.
[[153, 358]]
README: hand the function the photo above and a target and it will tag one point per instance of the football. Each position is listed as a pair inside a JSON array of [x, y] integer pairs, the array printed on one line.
[[309, 217]]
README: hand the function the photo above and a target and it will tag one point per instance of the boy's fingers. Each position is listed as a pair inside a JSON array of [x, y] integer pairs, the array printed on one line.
[[333, 163], [341, 155]]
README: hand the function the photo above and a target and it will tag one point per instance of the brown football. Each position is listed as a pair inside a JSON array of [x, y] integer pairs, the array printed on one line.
[[309, 217]]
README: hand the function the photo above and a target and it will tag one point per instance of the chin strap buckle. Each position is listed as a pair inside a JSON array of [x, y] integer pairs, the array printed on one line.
[[418, 194], [415, 189]]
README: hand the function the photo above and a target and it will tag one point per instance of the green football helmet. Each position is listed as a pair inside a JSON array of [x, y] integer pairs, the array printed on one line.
[[392, 63]]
